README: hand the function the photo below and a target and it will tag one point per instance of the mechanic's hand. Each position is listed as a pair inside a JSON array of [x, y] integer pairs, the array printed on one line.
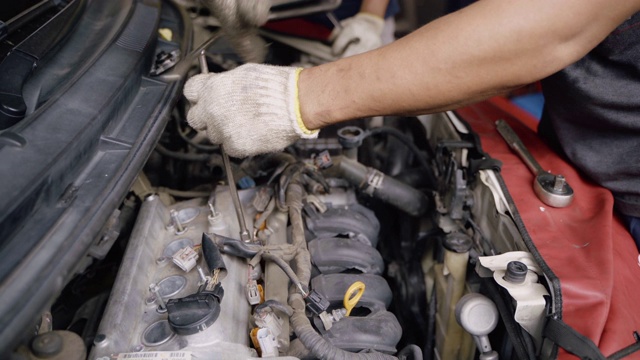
[[240, 13], [359, 34], [252, 109]]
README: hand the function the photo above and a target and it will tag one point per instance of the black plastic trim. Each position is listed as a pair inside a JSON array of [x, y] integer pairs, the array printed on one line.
[[79, 156]]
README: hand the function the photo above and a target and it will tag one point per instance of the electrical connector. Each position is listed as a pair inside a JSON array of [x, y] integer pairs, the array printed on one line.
[[255, 272], [253, 293], [335, 316], [269, 320], [323, 160], [316, 303], [268, 343], [262, 198], [186, 258]]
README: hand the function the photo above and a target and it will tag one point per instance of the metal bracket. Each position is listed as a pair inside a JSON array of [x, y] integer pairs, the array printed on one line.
[[529, 295], [374, 181]]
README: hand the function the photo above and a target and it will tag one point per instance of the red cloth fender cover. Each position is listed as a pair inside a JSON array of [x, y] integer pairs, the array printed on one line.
[[299, 27], [585, 245]]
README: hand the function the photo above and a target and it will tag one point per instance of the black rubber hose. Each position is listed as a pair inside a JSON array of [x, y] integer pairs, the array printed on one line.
[[319, 346], [394, 192], [402, 137], [181, 156], [409, 144]]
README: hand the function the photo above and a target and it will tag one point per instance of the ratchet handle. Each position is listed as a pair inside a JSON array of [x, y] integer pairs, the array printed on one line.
[[245, 235], [516, 144]]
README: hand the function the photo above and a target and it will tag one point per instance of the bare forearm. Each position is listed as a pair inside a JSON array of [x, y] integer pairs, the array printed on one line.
[[374, 7], [482, 50]]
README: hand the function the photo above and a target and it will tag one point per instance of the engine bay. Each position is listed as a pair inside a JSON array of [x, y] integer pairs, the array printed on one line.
[[389, 237], [320, 225]]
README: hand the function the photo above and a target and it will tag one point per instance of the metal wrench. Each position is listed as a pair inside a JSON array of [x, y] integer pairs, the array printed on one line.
[[245, 235], [552, 189], [336, 23], [181, 68]]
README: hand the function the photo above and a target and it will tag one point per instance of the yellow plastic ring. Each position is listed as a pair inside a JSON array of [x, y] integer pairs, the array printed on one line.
[[353, 295]]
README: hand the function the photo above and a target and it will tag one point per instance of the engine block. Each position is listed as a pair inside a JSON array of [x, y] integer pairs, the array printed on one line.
[[163, 262], [132, 322]]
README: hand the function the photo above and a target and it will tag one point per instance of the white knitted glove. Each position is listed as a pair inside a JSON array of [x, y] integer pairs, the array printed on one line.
[[252, 109], [359, 34], [240, 20], [240, 13]]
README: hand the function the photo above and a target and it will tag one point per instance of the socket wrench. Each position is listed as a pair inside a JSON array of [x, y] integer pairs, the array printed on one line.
[[245, 235], [552, 189]]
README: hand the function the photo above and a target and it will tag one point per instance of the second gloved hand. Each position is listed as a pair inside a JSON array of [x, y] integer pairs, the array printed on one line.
[[239, 20], [359, 34], [251, 110]]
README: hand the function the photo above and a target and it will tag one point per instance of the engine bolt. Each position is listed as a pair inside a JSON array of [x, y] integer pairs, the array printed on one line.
[[212, 210], [162, 306], [180, 229]]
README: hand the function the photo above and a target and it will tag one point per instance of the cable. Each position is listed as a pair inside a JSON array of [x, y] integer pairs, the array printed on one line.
[[287, 270], [183, 194], [512, 327], [528, 343], [181, 156], [207, 148], [318, 346], [431, 325]]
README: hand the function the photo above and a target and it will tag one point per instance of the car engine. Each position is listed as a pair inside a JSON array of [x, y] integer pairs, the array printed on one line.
[[163, 264], [385, 238], [325, 257]]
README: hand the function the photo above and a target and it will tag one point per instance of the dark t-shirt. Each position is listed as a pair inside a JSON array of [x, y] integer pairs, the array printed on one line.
[[592, 114]]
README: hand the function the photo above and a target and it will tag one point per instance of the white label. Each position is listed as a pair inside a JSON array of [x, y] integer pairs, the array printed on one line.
[[155, 355]]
